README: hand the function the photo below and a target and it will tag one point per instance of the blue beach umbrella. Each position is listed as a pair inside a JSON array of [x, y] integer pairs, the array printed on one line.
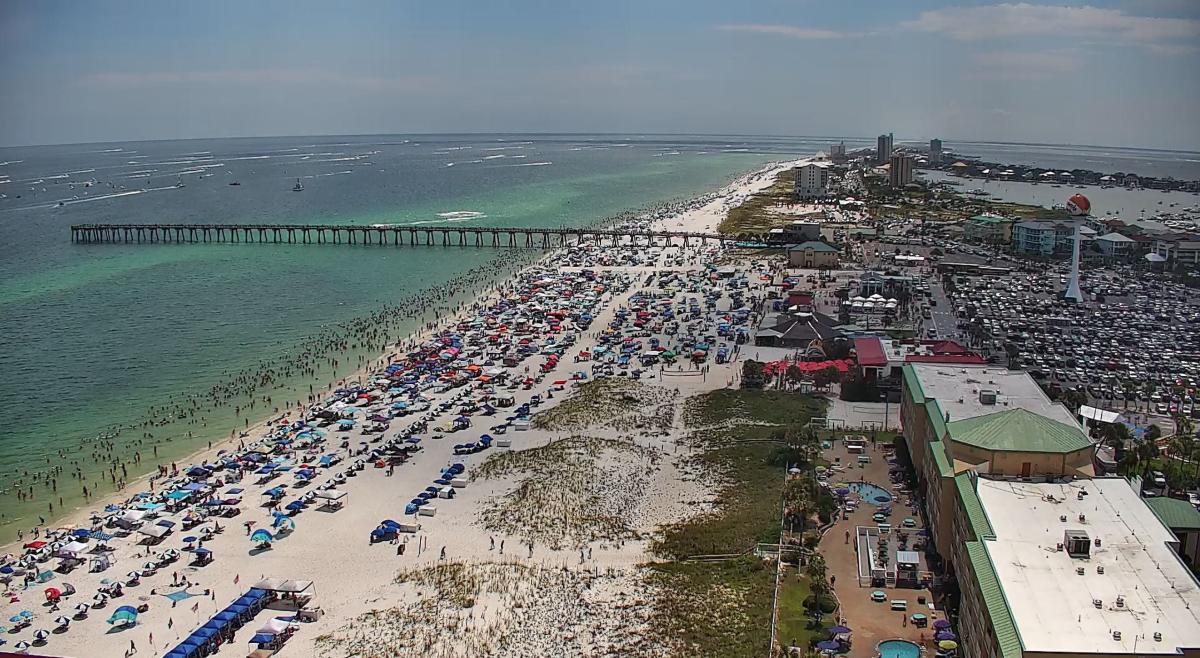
[[125, 613], [261, 535]]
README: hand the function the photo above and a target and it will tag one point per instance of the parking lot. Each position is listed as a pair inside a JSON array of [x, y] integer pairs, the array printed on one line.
[[1133, 345]]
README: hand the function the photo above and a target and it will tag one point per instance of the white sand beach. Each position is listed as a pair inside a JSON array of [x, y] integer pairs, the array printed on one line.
[[573, 520]]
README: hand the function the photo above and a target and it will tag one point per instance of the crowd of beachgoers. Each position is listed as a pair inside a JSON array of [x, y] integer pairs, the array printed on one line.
[[377, 466]]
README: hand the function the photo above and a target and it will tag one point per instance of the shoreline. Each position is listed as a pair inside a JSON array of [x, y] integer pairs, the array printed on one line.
[[80, 514]]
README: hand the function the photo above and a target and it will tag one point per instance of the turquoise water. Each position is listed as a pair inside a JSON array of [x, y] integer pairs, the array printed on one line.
[[899, 649], [871, 493], [115, 336]]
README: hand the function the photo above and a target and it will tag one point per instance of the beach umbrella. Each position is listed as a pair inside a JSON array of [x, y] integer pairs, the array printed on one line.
[[53, 593], [26, 614], [16, 619], [261, 535], [81, 609], [22, 646], [134, 575], [947, 645], [40, 635], [62, 621], [125, 613], [100, 599]]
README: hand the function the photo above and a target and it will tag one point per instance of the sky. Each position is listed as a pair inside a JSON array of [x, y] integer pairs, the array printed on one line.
[[1121, 73]]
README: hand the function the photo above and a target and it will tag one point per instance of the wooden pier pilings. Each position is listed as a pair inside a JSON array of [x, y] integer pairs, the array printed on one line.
[[394, 235]]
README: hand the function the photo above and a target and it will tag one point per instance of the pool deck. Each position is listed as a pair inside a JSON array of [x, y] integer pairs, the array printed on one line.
[[871, 622]]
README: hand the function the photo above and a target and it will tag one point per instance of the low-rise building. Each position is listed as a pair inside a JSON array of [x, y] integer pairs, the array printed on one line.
[[1184, 520], [813, 254], [1116, 246], [1045, 238], [989, 229], [1182, 249]]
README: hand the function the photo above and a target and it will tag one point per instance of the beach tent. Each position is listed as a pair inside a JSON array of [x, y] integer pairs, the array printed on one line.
[[155, 531], [125, 614]]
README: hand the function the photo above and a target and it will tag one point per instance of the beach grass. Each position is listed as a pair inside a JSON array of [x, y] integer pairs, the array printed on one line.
[[717, 609], [754, 216], [735, 434], [621, 404]]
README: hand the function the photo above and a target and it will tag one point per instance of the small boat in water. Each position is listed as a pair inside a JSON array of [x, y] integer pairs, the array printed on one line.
[[235, 183], [298, 187]]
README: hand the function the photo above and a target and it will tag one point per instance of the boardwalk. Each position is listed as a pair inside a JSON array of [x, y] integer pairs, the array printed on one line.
[[378, 234]]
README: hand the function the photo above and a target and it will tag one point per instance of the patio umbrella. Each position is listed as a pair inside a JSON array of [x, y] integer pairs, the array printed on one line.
[[941, 624], [945, 635], [842, 491], [947, 645], [838, 630], [829, 645]]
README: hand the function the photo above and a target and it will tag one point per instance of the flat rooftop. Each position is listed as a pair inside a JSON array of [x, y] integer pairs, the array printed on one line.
[[956, 388], [1053, 606]]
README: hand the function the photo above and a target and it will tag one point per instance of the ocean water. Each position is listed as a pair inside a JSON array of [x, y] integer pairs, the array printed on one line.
[[103, 336], [100, 336]]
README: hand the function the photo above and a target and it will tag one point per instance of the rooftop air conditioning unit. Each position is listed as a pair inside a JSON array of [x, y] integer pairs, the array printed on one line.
[[1100, 569], [1098, 603], [1080, 571], [1157, 637], [1120, 601], [1082, 518], [1116, 635], [987, 396]]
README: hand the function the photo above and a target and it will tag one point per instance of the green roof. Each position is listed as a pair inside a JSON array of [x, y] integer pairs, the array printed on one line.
[[815, 245], [990, 219], [1007, 635], [980, 525], [937, 422], [912, 384], [1018, 430], [1174, 513]]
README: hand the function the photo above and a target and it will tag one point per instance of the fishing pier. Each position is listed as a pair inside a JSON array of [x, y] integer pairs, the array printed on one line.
[[393, 235]]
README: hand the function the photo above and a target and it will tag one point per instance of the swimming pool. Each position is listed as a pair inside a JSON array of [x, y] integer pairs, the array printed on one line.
[[871, 493], [898, 649]]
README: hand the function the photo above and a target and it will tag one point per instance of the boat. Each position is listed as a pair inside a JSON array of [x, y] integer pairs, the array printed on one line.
[[179, 183], [235, 183], [298, 187]]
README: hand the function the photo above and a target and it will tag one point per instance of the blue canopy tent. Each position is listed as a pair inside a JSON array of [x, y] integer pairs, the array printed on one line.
[[225, 616], [294, 506], [262, 638]]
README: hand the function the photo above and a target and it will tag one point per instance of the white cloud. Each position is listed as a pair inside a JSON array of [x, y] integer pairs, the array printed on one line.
[[790, 31], [1024, 19]]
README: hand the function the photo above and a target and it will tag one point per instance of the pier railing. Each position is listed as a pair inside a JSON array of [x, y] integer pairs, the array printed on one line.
[[394, 235]]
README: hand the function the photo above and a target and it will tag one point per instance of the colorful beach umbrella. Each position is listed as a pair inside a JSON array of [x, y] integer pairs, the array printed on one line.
[[125, 613]]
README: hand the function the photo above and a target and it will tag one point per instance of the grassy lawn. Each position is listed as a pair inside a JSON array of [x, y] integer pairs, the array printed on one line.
[[717, 609], [792, 627]]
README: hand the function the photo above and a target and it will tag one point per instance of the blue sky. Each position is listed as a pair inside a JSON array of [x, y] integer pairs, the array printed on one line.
[[1113, 73]]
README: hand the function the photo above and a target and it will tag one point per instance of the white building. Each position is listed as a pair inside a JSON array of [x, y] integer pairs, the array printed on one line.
[[1083, 568], [812, 180]]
